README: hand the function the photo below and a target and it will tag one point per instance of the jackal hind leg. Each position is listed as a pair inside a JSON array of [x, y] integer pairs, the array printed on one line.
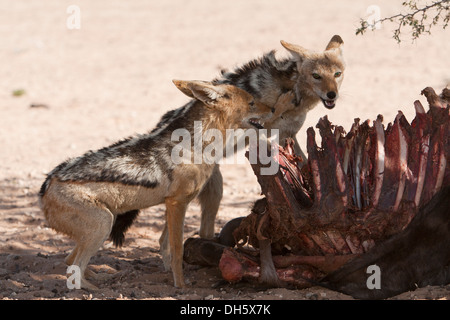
[[97, 226], [209, 199], [164, 247]]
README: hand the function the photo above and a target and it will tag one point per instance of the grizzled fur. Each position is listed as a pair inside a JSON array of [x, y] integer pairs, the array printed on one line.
[[141, 160], [265, 78]]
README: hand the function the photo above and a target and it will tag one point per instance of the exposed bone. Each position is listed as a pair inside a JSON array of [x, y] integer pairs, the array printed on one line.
[[340, 177], [349, 139], [394, 166], [350, 160], [358, 176], [379, 160], [360, 143], [289, 166], [314, 163], [439, 109], [403, 159], [437, 160], [338, 242], [419, 107], [425, 144], [366, 167], [354, 248], [442, 165], [322, 243], [420, 140]]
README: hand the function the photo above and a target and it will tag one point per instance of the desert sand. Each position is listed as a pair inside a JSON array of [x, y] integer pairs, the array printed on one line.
[[65, 91]]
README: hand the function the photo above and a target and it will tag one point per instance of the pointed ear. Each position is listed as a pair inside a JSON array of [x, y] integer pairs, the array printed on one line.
[[298, 52], [336, 42], [183, 87], [201, 90]]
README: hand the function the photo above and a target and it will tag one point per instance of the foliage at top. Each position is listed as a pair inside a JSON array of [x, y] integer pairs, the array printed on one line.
[[420, 18]]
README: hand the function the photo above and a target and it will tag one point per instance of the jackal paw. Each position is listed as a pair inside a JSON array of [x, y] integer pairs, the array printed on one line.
[[86, 285], [287, 101]]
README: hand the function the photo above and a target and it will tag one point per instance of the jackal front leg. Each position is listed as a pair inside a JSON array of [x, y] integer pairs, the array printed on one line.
[[175, 212]]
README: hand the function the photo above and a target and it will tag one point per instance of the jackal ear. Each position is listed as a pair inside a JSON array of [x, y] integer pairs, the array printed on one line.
[[336, 42], [298, 52], [183, 87], [204, 91]]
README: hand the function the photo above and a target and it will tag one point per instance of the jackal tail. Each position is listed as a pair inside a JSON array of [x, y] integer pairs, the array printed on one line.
[[121, 225]]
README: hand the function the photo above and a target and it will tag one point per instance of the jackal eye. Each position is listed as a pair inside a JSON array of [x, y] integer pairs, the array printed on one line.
[[337, 74], [316, 76], [251, 103]]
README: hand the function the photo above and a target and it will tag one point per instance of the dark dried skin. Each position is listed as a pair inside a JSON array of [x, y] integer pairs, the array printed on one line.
[[334, 187], [203, 252], [290, 167], [417, 257], [356, 204]]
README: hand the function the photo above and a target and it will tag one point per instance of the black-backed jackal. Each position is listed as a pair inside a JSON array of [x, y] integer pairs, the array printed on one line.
[[98, 195], [313, 76]]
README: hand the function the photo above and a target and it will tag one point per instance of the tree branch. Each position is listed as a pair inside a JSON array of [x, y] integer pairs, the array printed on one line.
[[418, 25]]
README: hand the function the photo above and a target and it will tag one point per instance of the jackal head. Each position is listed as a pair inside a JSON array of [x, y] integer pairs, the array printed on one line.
[[320, 73], [234, 107]]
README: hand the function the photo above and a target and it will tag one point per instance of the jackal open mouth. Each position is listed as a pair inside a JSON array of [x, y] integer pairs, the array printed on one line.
[[328, 103], [255, 122]]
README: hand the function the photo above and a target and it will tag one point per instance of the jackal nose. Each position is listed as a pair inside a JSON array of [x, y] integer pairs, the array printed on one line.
[[331, 95]]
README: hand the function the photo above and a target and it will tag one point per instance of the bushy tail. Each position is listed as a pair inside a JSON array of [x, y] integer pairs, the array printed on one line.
[[121, 225]]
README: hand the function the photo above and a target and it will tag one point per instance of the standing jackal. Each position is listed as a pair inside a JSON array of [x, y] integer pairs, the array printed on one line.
[[98, 195], [313, 76]]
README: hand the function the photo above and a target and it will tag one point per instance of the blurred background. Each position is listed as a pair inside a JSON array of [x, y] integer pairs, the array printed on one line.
[[65, 90]]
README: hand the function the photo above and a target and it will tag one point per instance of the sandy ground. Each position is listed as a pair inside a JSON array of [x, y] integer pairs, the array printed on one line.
[[112, 78]]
